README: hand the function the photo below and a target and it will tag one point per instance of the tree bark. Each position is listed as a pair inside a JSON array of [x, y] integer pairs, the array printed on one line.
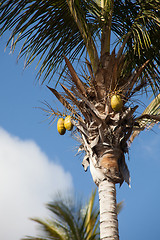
[[108, 211]]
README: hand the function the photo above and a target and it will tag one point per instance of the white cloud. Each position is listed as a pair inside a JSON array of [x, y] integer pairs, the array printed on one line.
[[28, 180]]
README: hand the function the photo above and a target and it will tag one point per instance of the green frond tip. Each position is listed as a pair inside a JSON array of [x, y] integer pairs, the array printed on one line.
[[149, 117]]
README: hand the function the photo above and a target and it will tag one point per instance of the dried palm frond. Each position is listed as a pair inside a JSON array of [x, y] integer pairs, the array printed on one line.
[[134, 77], [75, 78], [65, 103], [51, 114], [89, 66]]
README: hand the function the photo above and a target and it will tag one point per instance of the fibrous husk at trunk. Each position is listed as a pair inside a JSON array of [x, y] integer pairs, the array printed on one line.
[[109, 163]]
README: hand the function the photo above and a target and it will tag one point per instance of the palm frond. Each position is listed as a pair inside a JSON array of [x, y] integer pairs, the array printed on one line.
[[49, 30], [133, 79], [62, 100], [75, 78], [136, 25], [46, 29], [51, 230], [79, 14], [33, 238], [149, 117], [70, 221], [73, 99], [90, 221], [65, 217], [76, 219]]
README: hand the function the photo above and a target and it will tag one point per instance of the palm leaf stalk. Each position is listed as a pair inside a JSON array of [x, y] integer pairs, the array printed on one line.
[[58, 32]]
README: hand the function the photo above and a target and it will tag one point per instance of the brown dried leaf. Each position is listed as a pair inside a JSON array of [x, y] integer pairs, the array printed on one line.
[[75, 78], [135, 76], [63, 101]]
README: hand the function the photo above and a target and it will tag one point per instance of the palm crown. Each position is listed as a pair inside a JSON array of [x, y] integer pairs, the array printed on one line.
[[53, 31]]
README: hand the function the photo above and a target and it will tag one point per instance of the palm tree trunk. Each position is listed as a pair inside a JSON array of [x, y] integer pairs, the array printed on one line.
[[108, 211]]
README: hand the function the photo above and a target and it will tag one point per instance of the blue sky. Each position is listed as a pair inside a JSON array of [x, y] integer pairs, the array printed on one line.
[[36, 162]]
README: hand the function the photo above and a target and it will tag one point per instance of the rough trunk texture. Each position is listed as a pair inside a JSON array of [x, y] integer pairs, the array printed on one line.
[[108, 211]]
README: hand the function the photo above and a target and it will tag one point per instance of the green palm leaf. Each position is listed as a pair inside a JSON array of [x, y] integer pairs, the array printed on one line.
[[80, 16], [70, 221], [139, 23], [149, 117], [90, 221], [47, 29], [50, 29], [53, 230]]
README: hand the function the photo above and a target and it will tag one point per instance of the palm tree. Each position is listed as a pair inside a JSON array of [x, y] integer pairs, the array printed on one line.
[[70, 221], [121, 41]]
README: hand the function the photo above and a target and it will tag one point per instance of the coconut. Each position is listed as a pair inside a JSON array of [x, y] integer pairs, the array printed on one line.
[[116, 103], [68, 124], [60, 126]]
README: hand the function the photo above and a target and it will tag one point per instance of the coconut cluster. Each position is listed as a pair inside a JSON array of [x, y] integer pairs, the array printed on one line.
[[64, 124]]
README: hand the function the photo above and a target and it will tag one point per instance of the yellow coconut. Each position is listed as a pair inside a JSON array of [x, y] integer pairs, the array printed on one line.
[[116, 103], [68, 124], [60, 126]]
